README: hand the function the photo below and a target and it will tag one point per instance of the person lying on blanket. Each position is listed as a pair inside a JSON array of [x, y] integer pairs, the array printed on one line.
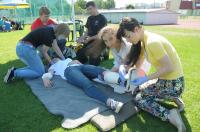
[[81, 75]]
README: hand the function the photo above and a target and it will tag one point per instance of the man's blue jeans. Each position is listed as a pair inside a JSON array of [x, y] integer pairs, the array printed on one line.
[[28, 55], [81, 77]]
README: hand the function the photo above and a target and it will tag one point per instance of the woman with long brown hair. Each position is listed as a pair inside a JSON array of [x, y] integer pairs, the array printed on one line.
[[161, 54]]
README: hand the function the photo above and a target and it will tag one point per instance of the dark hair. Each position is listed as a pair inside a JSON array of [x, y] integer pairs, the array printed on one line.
[[134, 54], [129, 24], [90, 3]]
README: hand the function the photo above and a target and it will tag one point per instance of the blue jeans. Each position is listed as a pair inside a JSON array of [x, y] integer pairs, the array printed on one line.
[[28, 55], [81, 76]]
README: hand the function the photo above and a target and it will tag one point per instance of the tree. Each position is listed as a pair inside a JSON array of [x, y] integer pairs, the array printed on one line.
[[108, 4], [130, 6], [81, 4], [99, 3]]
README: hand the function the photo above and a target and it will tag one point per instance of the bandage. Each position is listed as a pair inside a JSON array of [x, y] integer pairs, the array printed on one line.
[[47, 76], [111, 77]]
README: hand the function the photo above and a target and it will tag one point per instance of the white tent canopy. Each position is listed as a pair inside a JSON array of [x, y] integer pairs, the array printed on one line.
[[13, 4]]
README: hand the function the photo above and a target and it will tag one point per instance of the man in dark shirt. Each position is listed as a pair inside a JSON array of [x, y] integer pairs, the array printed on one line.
[[92, 45]]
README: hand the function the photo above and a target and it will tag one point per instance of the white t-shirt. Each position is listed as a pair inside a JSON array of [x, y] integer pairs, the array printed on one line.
[[123, 52], [60, 66], [121, 55]]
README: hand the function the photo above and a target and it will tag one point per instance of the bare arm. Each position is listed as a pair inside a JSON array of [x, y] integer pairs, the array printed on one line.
[[46, 78], [57, 49], [45, 53], [114, 69], [166, 67]]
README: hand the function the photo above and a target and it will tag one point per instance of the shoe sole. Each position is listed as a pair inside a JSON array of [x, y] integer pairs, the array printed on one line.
[[119, 107], [8, 74]]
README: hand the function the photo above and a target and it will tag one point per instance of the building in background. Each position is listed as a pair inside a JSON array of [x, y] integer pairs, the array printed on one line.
[[145, 16], [185, 7]]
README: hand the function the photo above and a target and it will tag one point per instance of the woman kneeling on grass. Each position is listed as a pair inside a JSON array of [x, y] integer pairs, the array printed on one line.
[[120, 48], [163, 56], [26, 51]]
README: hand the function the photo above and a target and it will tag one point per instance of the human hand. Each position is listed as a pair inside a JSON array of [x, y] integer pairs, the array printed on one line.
[[47, 83], [139, 81]]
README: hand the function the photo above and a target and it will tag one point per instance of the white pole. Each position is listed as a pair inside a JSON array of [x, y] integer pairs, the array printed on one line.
[[61, 3], [30, 7], [45, 2], [73, 20]]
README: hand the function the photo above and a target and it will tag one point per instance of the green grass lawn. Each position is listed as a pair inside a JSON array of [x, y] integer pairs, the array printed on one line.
[[21, 111]]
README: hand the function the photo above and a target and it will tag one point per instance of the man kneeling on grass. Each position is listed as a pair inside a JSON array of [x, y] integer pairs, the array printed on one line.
[[81, 75]]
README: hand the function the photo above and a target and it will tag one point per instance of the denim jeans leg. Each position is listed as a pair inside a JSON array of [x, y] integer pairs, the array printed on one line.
[[29, 56], [92, 71], [75, 76]]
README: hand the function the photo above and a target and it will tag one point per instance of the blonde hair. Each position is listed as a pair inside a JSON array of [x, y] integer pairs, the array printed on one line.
[[107, 30], [62, 29], [44, 10]]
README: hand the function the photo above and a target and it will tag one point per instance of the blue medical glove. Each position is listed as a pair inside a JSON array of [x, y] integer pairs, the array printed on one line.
[[139, 81]]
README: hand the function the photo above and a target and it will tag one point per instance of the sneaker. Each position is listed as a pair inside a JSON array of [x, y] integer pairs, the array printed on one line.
[[10, 75], [115, 105], [175, 119]]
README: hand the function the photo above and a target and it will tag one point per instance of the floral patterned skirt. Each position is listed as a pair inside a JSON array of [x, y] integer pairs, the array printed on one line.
[[161, 90]]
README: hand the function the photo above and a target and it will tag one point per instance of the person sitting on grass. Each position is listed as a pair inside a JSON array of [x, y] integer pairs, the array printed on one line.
[[163, 56], [26, 51], [119, 48], [81, 75], [92, 45]]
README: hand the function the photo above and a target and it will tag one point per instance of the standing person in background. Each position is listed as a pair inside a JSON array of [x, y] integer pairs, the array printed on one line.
[[45, 20], [93, 46]]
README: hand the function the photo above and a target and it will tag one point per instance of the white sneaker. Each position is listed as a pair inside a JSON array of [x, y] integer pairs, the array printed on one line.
[[9, 75], [175, 119], [115, 105]]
